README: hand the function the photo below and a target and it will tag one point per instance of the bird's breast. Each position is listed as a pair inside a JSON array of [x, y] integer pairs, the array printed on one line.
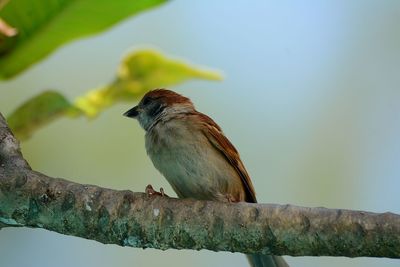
[[191, 165]]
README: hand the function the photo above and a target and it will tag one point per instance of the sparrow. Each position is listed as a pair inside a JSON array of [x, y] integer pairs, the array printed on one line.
[[190, 150]]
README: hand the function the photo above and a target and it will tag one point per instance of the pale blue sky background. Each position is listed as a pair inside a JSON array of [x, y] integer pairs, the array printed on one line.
[[310, 99]]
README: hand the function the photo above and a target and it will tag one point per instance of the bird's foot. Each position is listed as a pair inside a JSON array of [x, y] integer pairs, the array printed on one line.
[[231, 199], [151, 192]]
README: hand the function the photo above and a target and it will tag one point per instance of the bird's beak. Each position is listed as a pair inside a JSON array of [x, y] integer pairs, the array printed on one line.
[[132, 113]]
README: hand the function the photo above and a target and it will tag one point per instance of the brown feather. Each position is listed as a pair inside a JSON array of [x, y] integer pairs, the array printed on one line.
[[216, 137], [167, 96]]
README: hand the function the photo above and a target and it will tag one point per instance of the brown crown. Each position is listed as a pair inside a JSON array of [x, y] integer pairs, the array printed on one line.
[[167, 96]]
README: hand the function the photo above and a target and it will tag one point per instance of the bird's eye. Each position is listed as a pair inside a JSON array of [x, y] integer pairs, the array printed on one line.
[[146, 100]]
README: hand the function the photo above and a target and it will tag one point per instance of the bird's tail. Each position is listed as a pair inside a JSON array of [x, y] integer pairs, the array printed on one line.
[[257, 260]]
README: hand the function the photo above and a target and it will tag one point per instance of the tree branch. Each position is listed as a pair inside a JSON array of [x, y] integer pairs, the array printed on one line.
[[32, 199]]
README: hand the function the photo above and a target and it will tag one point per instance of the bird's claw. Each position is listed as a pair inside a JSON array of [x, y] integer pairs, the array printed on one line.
[[231, 199], [151, 192]]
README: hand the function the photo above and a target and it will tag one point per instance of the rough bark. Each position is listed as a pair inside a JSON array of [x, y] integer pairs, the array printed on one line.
[[29, 198]]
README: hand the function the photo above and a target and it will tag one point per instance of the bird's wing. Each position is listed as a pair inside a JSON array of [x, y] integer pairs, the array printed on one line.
[[216, 137]]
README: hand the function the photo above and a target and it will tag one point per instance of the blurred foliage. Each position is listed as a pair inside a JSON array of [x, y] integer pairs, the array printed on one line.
[[37, 112], [42, 26], [30, 30], [138, 73]]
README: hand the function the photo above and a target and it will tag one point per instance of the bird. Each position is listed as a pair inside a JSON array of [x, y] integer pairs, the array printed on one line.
[[190, 150]]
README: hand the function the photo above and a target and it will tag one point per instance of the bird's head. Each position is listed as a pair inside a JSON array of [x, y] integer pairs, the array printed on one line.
[[157, 104]]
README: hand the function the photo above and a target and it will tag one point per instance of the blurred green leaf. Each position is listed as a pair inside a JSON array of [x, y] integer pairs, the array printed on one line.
[[138, 73], [47, 24], [38, 111]]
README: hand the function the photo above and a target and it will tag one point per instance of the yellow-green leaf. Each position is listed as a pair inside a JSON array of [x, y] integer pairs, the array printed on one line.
[[138, 73], [44, 25], [37, 112]]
